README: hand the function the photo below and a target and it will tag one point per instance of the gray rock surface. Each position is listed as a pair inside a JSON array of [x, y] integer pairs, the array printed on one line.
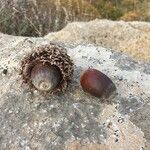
[[74, 120], [131, 38]]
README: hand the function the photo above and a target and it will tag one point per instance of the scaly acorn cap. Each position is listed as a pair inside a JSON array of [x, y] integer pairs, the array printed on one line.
[[50, 55]]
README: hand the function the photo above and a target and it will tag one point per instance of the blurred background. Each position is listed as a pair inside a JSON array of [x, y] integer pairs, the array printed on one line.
[[39, 17]]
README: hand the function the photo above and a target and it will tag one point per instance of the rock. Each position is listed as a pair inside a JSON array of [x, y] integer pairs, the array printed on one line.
[[119, 132], [76, 145], [141, 118], [137, 118], [132, 38], [74, 119]]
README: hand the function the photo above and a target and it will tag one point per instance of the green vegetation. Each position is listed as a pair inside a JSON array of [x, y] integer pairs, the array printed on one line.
[[39, 17], [128, 10]]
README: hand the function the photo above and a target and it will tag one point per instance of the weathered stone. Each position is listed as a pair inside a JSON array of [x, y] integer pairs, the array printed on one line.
[[76, 145], [141, 118], [73, 119], [132, 38]]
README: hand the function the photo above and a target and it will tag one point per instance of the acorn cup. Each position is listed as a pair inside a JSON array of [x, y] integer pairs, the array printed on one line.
[[48, 68]]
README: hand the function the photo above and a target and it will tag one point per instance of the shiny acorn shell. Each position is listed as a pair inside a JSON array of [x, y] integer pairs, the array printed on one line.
[[96, 83]]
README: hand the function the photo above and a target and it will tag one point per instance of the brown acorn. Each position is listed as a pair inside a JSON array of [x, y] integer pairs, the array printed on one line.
[[45, 78], [96, 83], [47, 68]]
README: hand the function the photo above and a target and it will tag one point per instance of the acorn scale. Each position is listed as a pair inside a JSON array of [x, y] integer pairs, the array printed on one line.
[[48, 68], [96, 83]]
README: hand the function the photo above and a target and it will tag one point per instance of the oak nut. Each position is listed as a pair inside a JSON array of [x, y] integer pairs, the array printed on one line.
[[96, 83], [47, 68]]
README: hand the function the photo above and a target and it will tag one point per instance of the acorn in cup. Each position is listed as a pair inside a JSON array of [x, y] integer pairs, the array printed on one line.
[[48, 68]]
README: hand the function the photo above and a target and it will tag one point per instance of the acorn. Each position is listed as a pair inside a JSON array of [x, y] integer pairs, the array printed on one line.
[[45, 78], [47, 68], [96, 83]]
